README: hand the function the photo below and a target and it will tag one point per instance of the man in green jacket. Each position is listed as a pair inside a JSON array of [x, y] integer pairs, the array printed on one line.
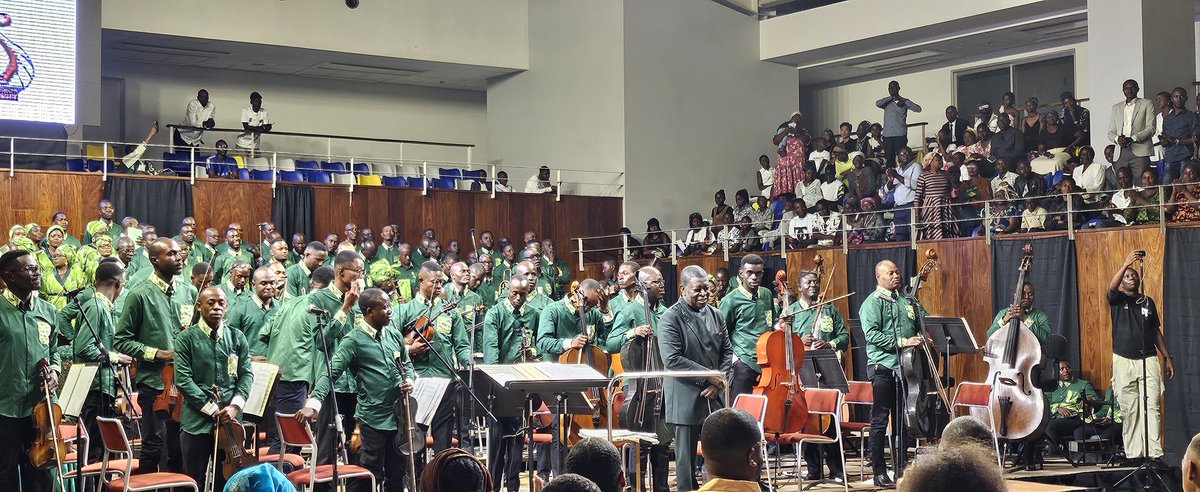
[[889, 322], [536, 299], [98, 313], [406, 273], [749, 311], [1066, 406], [146, 331], [339, 303], [1032, 318], [819, 329], [492, 287], [376, 357], [237, 282], [234, 251], [555, 268], [212, 364], [103, 225], [626, 286], [298, 274], [508, 329], [27, 327], [470, 305], [251, 314]]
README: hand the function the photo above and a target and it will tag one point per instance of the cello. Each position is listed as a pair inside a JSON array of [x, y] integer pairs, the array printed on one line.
[[1013, 354], [589, 355], [230, 439], [780, 353], [644, 411], [410, 439], [926, 405]]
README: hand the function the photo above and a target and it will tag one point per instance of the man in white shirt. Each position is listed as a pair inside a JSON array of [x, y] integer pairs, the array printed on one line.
[[801, 227], [255, 121], [201, 113], [1003, 175], [900, 181], [1131, 127], [502, 183], [132, 162], [540, 183]]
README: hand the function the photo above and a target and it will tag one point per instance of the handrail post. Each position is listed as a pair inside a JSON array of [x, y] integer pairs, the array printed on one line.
[[328, 150], [674, 255], [579, 243], [12, 156], [493, 176], [425, 178], [274, 171], [725, 238], [192, 165], [912, 226], [1162, 210], [353, 177], [171, 140], [558, 189], [1070, 217], [987, 214], [624, 246], [469, 149], [104, 164], [783, 237], [845, 236]]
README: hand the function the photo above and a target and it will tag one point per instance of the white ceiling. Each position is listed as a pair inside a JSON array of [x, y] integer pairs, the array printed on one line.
[[139, 47]]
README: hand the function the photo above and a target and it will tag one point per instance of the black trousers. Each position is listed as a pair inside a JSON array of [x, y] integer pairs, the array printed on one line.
[[16, 473], [442, 427], [892, 146], [197, 450], [685, 456], [286, 397], [660, 459], [505, 444], [347, 404], [157, 432], [832, 456], [742, 378], [378, 454], [883, 392], [1059, 430], [94, 406]]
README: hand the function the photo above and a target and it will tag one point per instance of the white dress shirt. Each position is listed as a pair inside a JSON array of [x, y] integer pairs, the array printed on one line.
[[195, 116], [249, 140], [534, 185]]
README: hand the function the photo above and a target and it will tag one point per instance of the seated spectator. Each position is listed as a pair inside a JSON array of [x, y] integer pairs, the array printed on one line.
[[480, 183], [985, 117], [840, 163], [972, 145], [540, 182], [966, 430], [1007, 144], [721, 207], [800, 227], [567, 482], [1052, 146], [455, 470], [742, 236], [1089, 176], [1185, 195], [1066, 406], [635, 249], [868, 225], [932, 199], [733, 454], [1033, 218], [765, 175], [1137, 205], [845, 137], [808, 189], [832, 188], [599, 461], [1061, 216], [220, 165], [255, 122], [1004, 175], [955, 127], [781, 227], [1030, 125], [699, 238], [502, 182], [972, 193], [827, 225], [741, 205], [656, 241], [862, 181], [1006, 212], [1028, 182], [954, 469], [761, 218], [820, 154], [132, 163]]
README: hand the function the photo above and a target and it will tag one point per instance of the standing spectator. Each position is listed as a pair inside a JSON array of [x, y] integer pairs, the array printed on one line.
[[1008, 106], [1076, 119], [895, 121], [721, 208], [932, 192], [765, 176], [954, 126], [1008, 143], [1031, 125], [1131, 126], [1053, 146], [200, 114], [540, 182], [986, 117], [791, 155], [1179, 134], [1162, 104], [900, 183], [255, 122]]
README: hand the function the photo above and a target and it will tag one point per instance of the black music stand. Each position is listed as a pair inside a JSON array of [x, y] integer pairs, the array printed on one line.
[[950, 336], [822, 369]]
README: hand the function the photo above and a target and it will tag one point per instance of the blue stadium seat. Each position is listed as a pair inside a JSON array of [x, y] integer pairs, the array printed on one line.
[[442, 183], [180, 162], [76, 165], [395, 181], [475, 176], [318, 177], [362, 168], [243, 173], [295, 176], [95, 165], [262, 175], [333, 167]]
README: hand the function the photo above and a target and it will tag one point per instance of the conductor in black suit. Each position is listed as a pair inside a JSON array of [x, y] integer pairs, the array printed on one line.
[[692, 337], [955, 126]]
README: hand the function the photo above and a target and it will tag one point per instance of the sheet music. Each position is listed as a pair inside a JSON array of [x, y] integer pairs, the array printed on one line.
[[561, 372], [539, 371], [260, 388], [502, 374], [75, 389], [621, 435], [428, 391]]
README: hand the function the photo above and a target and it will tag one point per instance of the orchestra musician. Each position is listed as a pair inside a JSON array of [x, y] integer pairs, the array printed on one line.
[[210, 356], [692, 337], [508, 328], [748, 312], [146, 331], [889, 322], [27, 325], [1039, 324], [370, 352], [98, 311], [626, 288], [819, 329], [338, 303]]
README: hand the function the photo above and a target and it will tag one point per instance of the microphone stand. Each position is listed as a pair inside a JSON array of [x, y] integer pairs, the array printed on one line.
[[338, 437], [1152, 476]]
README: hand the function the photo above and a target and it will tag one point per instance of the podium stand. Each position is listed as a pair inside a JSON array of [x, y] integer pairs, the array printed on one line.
[[822, 369], [510, 386], [950, 336]]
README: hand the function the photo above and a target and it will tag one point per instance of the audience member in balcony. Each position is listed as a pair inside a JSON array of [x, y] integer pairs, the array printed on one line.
[[1131, 126], [540, 183], [809, 188], [932, 198], [955, 127], [899, 184], [1076, 119], [1008, 106], [1028, 182], [132, 163], [255, 122], [1185, 195], [765, 176], [200, 113], [1033, 217], [972, 193], [480, 183], [832, 188], [1053, 145], [635, 249], [698, 239], [985, 117], [741, 205], [973, 145], [762, 216], [845, 137], [220, 165], [1008, 143], [1006, 212], [1031, 125], [1060, 216], [868, 225], [502, 183], [1180, 131], [840, 163], [1003, 175], [771, 233], [801, 226], [656, 242], [862, 181], [895, 121], [1120, 204], [1162, 104], [1143, 208], [827, 225], [1089, 176], [720, 208], [875, 143], [791, 140], [820, 154]]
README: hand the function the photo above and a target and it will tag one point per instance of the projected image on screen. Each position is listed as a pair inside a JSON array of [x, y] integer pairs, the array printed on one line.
[[37, 61]]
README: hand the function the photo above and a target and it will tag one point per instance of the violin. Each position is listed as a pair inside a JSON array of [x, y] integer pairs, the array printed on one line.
[[169, 402], [595, 357], [926, 405], [1013, 354], [423, 324], [644, 410], [780, 353], [48, 448], [230, 439]]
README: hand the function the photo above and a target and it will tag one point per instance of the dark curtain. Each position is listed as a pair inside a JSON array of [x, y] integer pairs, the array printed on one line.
[[771, 263], [1181, 313], [860, 273], [1054, 283], [670, 275], [162, 203], [52, 141], [292, 211]]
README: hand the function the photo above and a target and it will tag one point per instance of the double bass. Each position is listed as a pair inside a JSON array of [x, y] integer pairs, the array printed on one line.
[[411, 438], [643, 411], [1013, 354], [780, 353], [591, 355], [926, 405]]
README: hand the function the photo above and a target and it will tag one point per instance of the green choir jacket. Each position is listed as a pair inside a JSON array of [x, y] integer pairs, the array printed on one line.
[[149, 322], [370, 358], [560, 321], [886, 318], [746, 318], [1036, 320], [831, 327], [202, 363], [28, 332], [503, 331], [249, 317], [99, 312], [449, 337]]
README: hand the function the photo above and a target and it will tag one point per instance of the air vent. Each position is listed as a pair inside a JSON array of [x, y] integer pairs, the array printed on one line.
[[170, 50], [353, 67], [896, 61]]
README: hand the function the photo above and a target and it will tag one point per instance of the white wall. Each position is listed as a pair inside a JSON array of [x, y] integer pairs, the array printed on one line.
[[476, 32], [699, 107], [568, 110], [932, 89], [310, 105]]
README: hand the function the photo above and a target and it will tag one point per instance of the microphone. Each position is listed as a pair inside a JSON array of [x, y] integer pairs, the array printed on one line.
[[312, 308], [70, 294]]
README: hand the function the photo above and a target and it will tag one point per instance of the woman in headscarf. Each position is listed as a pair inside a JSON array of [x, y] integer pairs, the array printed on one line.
[[868, 225], [34, 232], [88, 257], [14, 232], [60, 219], [54, 242], [61, 277]]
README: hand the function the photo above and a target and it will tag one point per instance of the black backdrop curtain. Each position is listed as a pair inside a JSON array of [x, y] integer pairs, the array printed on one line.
[[1181, 314], [860, 271], [292, 211], [1054, 283], [162, 203], [670, 275]]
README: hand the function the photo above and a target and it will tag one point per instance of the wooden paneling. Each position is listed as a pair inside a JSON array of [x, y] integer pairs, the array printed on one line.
[[834, 281], [1098, 255], [217, 203], [961, 287], [35, 196]]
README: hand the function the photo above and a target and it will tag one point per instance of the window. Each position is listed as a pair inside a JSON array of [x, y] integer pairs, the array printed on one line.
[[1043, 78]]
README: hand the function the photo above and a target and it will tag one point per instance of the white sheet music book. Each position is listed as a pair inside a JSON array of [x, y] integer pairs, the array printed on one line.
[[428, 391], [260, 389], [75, 389]]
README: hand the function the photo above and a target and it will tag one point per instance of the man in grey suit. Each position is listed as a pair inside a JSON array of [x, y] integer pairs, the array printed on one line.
[[1131, 126], [692, 337]]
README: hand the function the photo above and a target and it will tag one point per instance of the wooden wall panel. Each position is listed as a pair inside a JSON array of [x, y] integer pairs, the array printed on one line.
[[961, 287], [1098, 255], [834, 282], [219, 202], [34, 197]]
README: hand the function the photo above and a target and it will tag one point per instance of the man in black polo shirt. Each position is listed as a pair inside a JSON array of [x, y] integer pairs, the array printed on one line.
[[1137, 338]]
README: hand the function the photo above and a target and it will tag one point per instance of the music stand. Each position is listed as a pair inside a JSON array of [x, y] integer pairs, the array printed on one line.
[[951, 336], [822, 369]]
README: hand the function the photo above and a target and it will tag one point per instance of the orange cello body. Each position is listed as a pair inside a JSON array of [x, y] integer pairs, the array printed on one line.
[[597, 358], [780, 353], [170, 401]]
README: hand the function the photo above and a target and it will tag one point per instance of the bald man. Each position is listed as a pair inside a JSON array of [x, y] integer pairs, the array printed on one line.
[[146, 331], [235, 285], [250, 315], [889, 322], [1190, 468], [537, 300]]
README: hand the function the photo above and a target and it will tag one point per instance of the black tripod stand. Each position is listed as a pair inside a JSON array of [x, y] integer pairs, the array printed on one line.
[[1148, 476]]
